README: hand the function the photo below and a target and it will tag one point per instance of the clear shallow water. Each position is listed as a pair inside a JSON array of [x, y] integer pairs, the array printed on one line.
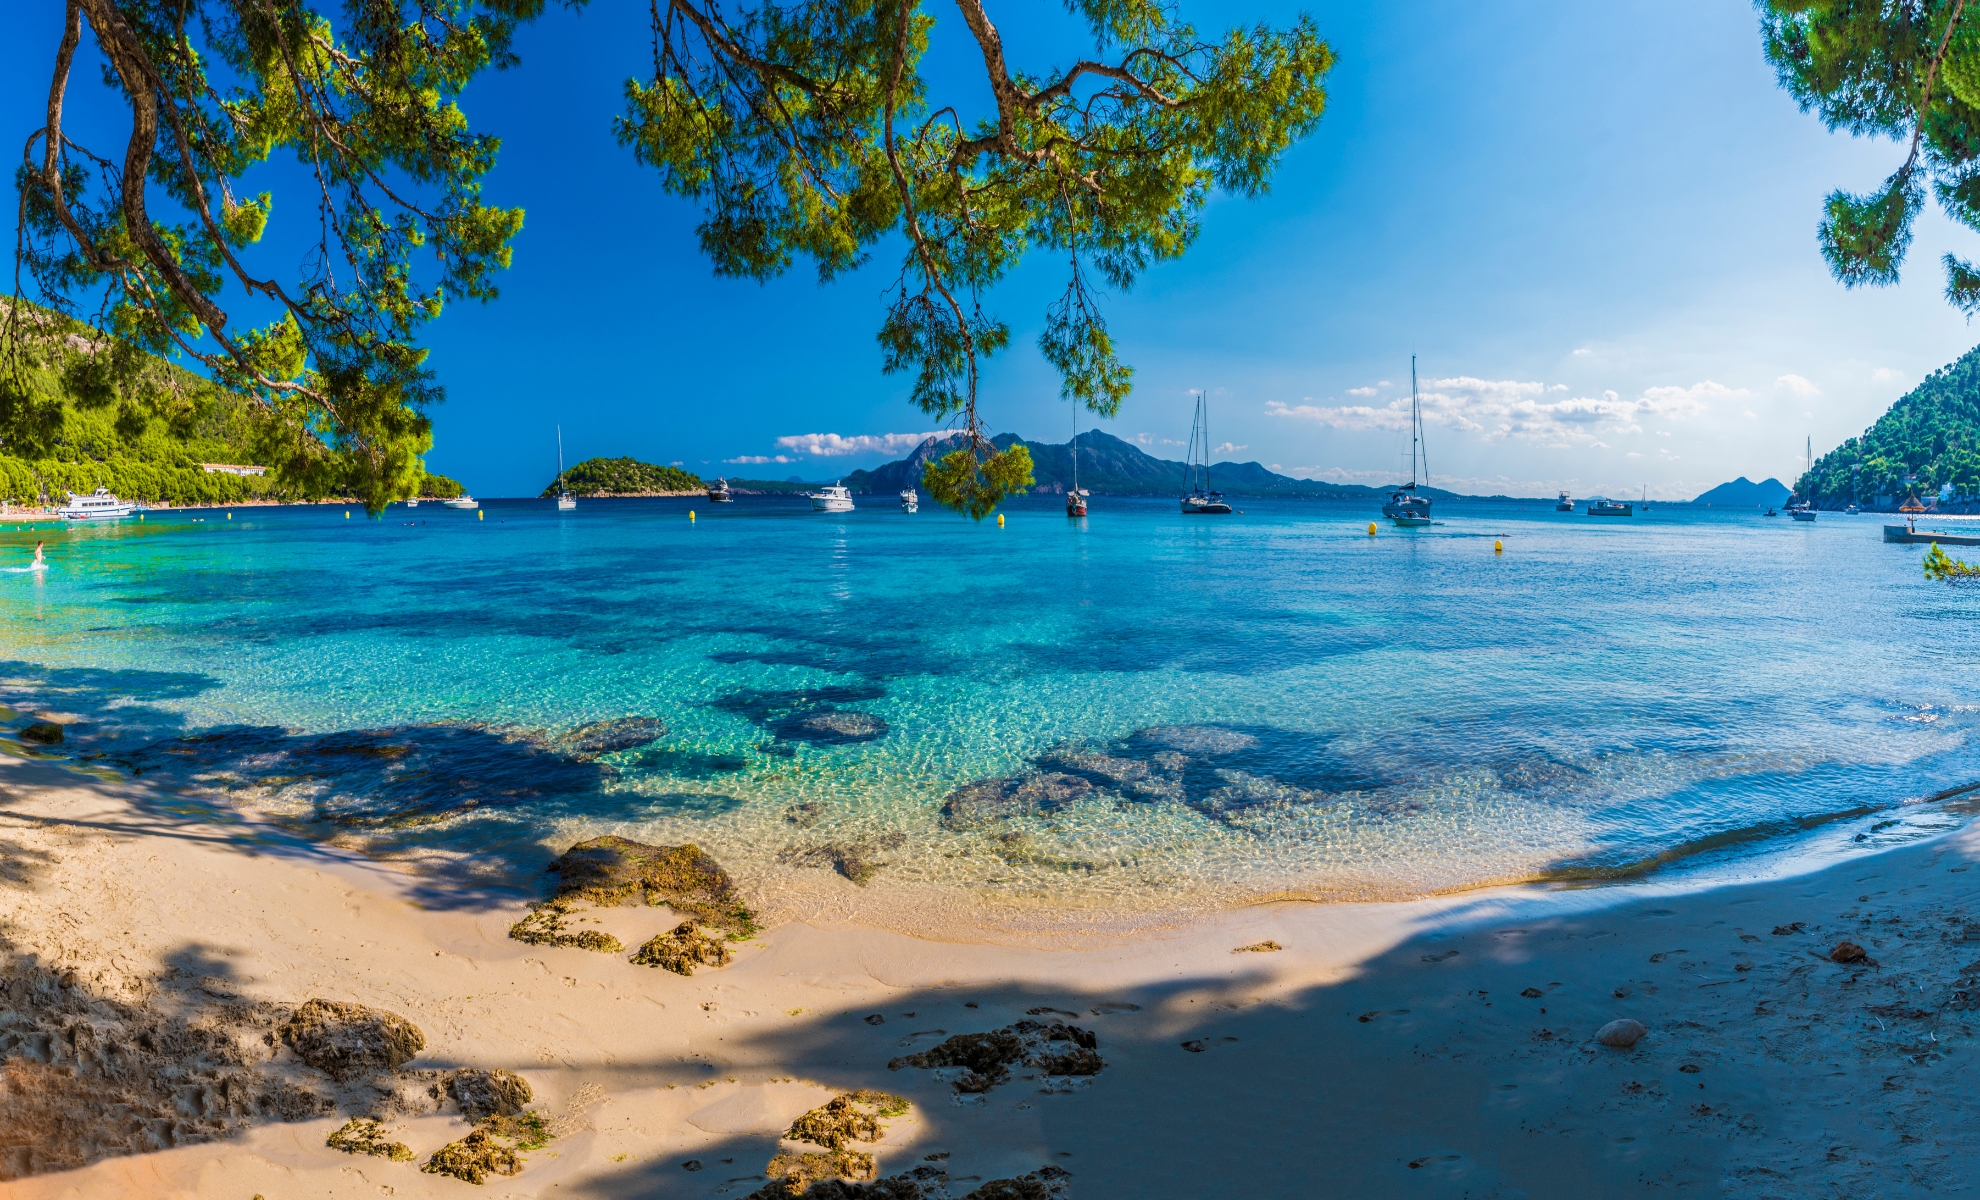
[[1136, 713]]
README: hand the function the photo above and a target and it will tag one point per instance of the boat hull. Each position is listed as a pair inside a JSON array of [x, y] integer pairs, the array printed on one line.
[[1610, 510], [565, 504], [1193, 507], [1802, 516], [108, 514], [464, 503], [830, 504]]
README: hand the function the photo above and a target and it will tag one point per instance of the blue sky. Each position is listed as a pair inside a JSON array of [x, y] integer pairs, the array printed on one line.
[[1594, 225]]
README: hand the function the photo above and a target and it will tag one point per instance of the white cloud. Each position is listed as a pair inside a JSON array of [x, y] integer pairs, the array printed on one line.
[[1509, 408], [1632, 454], [1367, 391], [1886, 375], [1228, 448], [760, 458], [831, 445], [1798, 385], [1583, 352], [677, 463], [1383, 383]]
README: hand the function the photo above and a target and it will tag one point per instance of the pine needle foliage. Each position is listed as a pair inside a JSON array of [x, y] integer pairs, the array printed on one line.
[[1910, 72]]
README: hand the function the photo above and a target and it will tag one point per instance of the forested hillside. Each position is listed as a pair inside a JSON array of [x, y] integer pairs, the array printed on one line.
[[64, 427], [1932, 432]]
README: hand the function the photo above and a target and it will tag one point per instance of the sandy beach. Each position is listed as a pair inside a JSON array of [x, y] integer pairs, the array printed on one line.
[[1440, 1048]]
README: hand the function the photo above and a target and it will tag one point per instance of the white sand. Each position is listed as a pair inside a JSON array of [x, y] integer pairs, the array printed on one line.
[[1349, 1063]]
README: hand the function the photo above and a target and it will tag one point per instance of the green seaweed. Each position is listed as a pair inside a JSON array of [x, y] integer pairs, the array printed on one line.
[[362, 1135], [474, 1158], [544, 926], [680, 949], [852, 1117]]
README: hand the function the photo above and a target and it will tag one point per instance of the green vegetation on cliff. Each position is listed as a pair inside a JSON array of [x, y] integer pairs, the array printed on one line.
[[625, 477], [72, 421], [1932, 432]]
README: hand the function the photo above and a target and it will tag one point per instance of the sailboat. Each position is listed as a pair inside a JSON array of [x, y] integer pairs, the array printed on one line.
[[1405, 507], [1075, 498], [1805, 511], [565, 501], [1196, 473]]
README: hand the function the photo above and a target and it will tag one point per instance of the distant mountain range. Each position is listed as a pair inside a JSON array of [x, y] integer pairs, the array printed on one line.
[[1111, 467], [1744, 493]]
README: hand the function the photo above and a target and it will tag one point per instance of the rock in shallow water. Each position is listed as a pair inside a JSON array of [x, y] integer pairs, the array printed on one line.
[[608, 737], [1621, 1034], [350, 1039], [1848, 952], [990, 800], [46, 733], [831, 727]]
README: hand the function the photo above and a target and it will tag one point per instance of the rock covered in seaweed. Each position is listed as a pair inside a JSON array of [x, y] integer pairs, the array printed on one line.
[[681, 949], [474, 1158], [488, 1093], [924, 1182], [988, 801], [44, 733], [844, 1119], [546, 926], [612, 870], [981, 1061], [343, 1039], [831, 727]]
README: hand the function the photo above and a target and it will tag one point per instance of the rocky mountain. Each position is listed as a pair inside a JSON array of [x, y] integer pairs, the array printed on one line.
[[1744, 493], [1109, 466]]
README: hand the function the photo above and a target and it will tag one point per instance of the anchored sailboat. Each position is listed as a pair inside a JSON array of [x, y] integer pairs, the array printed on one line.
[[1405, 507], [1075, 497], [1196, 474], [565, 501], [1805, 510]]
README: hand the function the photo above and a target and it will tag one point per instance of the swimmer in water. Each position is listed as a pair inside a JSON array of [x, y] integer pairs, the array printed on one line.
[[38, 561]]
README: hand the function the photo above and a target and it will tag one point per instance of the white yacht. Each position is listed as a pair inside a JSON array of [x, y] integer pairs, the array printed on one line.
[[565, 501], [99, 505], [462, 502], [832, 499], [910, 500]]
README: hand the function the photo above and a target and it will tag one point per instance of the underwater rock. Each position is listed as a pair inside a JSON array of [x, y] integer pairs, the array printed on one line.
[[474, 1158], [985, 1059], [1621, 1034], [343, 1040], [830, 727], [488, 1093], [544, 926], [805, 815], [609, 737], [362, 1135], [847, 1118], [680, 949], [853, 860], [613, 870], [44, 733], [990, 800], [1198, 739]]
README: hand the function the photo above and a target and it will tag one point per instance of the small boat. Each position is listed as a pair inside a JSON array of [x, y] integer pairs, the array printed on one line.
[[718, 492], [1564, 504], [99, 505], [412, 502], [1200, 500], [1405, 507], [462, 501], [1851, 511], [1599, 507], [832, 499], [565, 501], [910, 500], [1771, 512], [1076, 496]]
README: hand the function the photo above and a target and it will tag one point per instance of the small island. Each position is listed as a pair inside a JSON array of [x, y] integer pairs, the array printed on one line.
[[606, 477]]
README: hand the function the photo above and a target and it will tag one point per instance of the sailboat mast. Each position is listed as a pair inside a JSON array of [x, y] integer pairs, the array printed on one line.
[[1075, 447], [560, 458], [1203, 403], [1415, 426]]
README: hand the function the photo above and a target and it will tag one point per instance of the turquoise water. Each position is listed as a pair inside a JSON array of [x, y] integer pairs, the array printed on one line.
[[1137, 713]]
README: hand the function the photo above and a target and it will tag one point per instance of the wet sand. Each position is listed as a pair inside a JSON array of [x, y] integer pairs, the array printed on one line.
[[1438, 1048]]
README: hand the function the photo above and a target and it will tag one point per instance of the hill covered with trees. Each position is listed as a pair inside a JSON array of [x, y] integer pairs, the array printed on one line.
[[1932, 433], [626, 477]]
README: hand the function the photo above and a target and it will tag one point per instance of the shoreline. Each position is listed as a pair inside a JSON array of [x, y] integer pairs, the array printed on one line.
[[1768, 1070]]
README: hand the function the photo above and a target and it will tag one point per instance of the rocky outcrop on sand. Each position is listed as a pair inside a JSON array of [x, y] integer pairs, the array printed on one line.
[[977, 1062], [610, 870], [362, 1135], [480, 1094], [345, 1040], [681, 949]]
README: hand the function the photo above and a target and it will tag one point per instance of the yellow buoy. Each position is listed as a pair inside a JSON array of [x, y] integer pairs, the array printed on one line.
[[347, 514], [690, 514], [478, 514], [1000, 520], [1371, 529], [230, 516], [1498, 547]]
